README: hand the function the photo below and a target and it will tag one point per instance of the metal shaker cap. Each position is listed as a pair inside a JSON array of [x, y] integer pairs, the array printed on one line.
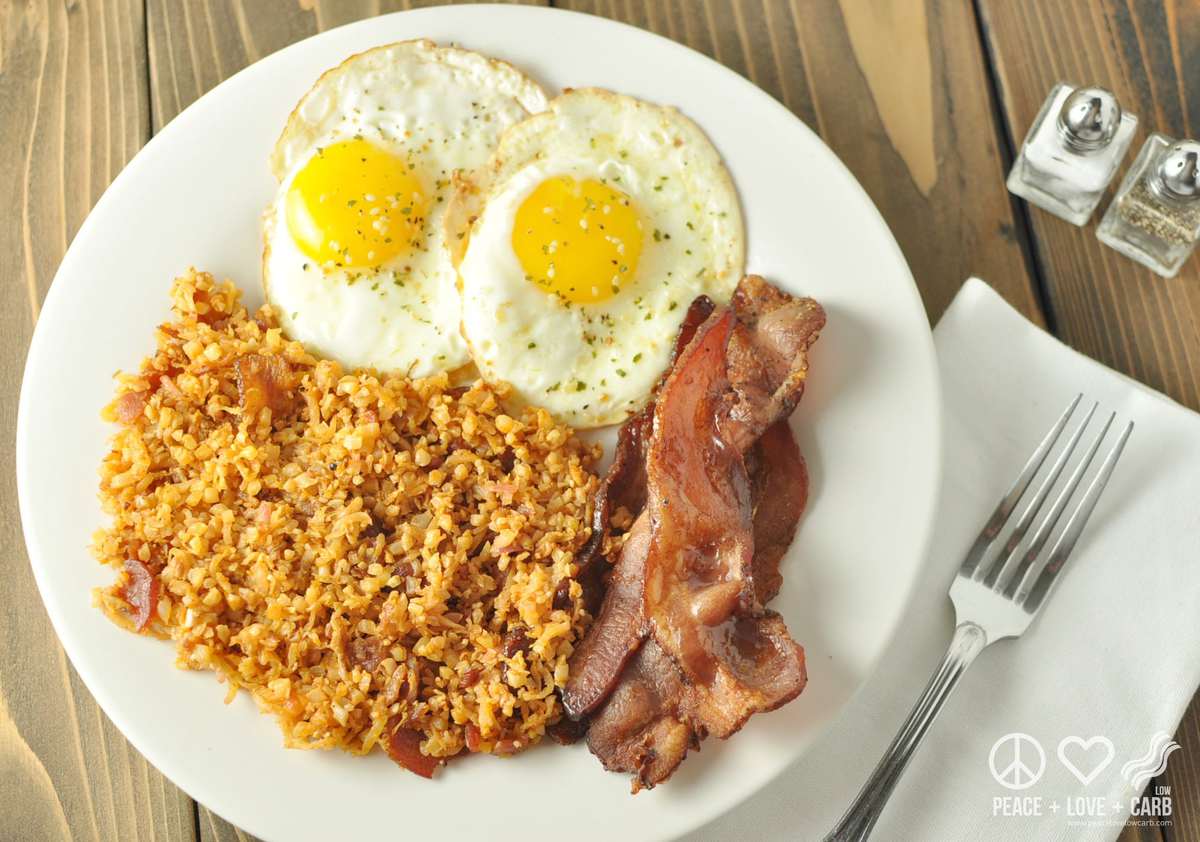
[[1089, 118], [1180, 170]]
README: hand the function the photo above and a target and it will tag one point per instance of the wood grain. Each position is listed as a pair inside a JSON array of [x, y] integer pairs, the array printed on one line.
[[891, 48], [195, 45], [213, 828], [1149, 55], [917, 129], [73, 91], [1104, 305]]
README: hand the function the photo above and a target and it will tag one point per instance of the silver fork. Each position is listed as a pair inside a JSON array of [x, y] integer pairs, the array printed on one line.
[[996, 595]]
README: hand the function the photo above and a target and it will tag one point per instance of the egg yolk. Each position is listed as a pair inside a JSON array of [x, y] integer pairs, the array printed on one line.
[[355, 205], [579, 239]]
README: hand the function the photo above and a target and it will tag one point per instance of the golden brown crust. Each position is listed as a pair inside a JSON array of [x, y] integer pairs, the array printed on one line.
[[350, 531]]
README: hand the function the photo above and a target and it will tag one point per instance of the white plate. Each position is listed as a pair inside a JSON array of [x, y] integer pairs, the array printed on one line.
[[869, 426]]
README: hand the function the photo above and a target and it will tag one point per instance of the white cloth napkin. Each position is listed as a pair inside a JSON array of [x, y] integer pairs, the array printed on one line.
[[1115, 653]]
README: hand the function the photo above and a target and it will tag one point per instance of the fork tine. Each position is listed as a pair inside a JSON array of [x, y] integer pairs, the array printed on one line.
[[1009, 501], [1004, 558], [1042, 533], [1079, 518]]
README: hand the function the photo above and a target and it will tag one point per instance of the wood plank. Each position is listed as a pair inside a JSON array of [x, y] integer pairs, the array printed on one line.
[[916, 129], [213, 828], [1104, 305], [1183, 777], [1149, 55], [194, 46], [73, 110]]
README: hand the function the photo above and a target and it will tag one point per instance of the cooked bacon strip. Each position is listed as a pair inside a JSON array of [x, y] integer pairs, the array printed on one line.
[[621, 626], [263, 380], [756, 667], [623, 485], [723, 656], [617, 632], [625, 482], [641, 730], [698, 494], [767, 357], [404, 746], [699, 591], [141, 592], [780, 482], [567, 731], [648, 724]]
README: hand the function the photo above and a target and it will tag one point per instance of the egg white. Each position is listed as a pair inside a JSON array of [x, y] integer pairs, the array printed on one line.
[[595, 364], [444, 108]]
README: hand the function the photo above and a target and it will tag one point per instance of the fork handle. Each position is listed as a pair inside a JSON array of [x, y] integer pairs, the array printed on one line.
[[855, 826]]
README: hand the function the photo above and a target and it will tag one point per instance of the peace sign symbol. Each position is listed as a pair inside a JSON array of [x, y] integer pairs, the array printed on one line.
[[1017, 761]]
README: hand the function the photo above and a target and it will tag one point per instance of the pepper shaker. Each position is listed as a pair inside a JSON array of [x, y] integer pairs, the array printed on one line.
[[1155, 217], [1072, 151]]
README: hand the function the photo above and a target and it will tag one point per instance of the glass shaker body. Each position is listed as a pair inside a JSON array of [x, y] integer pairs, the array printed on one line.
[[1147, 221], [1059, 176]]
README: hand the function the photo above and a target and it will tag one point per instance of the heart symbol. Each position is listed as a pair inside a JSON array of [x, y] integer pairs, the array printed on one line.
[[1085, 746]]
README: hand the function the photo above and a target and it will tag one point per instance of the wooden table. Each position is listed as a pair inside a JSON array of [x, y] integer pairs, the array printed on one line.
[[925, 101]]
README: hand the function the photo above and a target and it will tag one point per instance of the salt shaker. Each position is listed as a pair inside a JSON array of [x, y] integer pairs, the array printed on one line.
[[1155, 217], [1072, 151]]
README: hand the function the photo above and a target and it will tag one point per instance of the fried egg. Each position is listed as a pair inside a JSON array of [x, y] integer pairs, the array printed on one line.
[[355, 260], [582, 245]]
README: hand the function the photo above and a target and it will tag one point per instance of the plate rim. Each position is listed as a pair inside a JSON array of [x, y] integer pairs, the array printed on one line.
[[248, 818]]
